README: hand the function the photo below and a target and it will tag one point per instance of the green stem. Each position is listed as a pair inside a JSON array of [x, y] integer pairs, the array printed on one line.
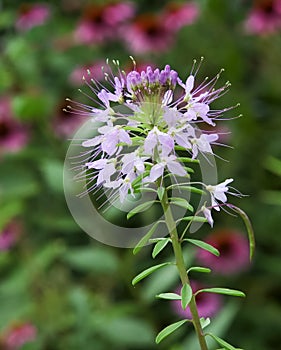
[[171, 225]]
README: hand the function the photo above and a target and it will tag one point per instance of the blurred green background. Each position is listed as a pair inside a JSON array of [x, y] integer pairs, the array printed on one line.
[[59, 288]]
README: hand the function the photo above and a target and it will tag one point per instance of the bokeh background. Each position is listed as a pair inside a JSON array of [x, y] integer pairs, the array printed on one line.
[[60, 289]]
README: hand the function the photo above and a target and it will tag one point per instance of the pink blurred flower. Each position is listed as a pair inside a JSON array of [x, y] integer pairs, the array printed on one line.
[[208, 304], [18, 335], [32, 15], [147, 34], [80, 71], [234, 252], [9, 235], [64, 123], [178, 15], [100, 22], [13, 135], [119, 12], [264, 17]]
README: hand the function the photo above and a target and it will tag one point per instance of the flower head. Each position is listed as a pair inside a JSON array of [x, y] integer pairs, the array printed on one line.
[[233, 248], [264, 17], [140, 143], [19, 334], [9, 235], [178, 15], [32, 15], [208, 304], [147, 33]]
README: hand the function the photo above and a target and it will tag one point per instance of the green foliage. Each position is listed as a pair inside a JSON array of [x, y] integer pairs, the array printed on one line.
[[169, 330], [203, 245], [148, 272]]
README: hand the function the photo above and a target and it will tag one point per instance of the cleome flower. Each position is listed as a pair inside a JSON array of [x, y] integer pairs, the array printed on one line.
[[141, 127]]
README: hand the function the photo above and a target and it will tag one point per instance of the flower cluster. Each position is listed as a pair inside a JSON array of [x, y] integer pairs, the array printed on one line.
[[138, 146], [141, 32]]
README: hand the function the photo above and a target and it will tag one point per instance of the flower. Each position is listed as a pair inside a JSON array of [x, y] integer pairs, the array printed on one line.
[[101, 22], [177, 15], [264, 17], [208, 304], [218, 192], [9, 235], [147, 33], [18, 335], [233, 248], [138, 143], [32, 15], [13, 134], [208, 215]]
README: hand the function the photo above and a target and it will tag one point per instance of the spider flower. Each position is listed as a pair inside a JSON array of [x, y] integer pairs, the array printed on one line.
[[140, 144], [233, 248]]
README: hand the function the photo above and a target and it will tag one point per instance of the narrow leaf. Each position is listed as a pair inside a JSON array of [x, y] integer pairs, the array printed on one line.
[[204, 322], [181, 202], [168, 330], [221, 342], [160, 192], [169, 296], [199, 269], [147, 272], [191, 189], [186, 295], [204, 245], [249, 228], [145, 238], [193, 218], [160, 246], [140, 208], [226, 291], [185, 159]]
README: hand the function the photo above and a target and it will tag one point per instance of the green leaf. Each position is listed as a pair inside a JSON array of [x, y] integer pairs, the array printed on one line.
[[185, 159], [199, 269], [186, 295], [140, 208], [160, 192], [221, 342], [226, 291], [249, 228], [181, 202], [168, 330], [203, 245], [169, 296], [160, 246], [193, 218], [191, 189], [148, 272], [204, 322], [145, 238]]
